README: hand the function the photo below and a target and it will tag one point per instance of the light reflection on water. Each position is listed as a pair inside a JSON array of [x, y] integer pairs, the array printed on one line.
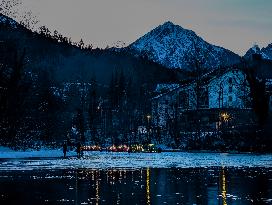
[[223, 186], [148, 186], [219, 185]]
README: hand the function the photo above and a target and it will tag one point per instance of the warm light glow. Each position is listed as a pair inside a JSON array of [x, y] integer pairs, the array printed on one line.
[[224, 189], [225, 117]]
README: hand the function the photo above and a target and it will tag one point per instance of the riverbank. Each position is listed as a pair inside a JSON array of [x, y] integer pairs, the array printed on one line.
[[104, 160], [7, 153]]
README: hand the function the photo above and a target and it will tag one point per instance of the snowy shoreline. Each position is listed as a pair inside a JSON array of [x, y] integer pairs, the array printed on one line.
[[52, 159], [7, 153]]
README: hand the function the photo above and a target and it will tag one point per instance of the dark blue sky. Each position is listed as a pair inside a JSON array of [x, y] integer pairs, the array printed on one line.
[[234, 24]]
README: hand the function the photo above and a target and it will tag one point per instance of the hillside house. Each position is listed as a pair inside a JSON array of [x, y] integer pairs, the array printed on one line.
[[221, 95]]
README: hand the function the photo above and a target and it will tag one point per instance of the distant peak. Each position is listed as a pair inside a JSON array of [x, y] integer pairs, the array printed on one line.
[[168, 23], [255, 45], [173, 46], [269, 46], [256, 48], [170, 26]]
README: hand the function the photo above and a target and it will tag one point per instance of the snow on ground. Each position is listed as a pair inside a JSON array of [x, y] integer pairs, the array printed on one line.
[[5, 152], [105, 160]]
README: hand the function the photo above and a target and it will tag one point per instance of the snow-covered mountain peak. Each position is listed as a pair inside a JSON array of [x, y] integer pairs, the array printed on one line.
[[176, 47], [168, 23], [266, 52], [171, 27], [171, 30], [256, 48], [269, 47]]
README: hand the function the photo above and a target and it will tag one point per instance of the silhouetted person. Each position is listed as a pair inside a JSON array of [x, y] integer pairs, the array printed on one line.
[[64, 149], [78, 149]]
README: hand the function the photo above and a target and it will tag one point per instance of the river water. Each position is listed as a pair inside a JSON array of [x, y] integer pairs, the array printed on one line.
[[199, 185]]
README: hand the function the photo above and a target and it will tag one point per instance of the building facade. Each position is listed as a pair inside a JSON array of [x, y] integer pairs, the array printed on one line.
[[221, 95]]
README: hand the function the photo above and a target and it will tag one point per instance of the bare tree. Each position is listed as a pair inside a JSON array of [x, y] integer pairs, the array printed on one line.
[[28, 19], [10, 8]]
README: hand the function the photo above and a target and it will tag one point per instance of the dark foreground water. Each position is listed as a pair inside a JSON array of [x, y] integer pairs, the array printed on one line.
[[138, 186]]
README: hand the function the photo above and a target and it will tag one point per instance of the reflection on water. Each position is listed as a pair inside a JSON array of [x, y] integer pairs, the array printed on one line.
[[223, 185], [97, 189], [148, 186]]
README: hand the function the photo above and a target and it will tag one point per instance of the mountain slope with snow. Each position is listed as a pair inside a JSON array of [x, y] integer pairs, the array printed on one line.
[[175, 47], [265, 52]]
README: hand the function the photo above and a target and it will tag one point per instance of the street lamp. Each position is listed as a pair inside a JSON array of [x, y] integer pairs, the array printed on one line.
[[103, 121], [148, 118], [148, 126]]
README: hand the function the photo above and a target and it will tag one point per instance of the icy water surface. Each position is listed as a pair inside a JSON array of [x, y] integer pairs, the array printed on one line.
[[210, 185], [105, 160]]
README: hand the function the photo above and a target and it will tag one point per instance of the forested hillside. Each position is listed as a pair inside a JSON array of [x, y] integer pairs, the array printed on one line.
[[49, 84]]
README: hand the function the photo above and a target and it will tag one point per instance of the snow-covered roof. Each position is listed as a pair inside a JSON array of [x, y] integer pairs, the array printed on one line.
[[172, 90], [162, 87], [205, 79]]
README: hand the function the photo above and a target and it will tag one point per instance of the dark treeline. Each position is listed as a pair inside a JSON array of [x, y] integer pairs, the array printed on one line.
[[52, 87]]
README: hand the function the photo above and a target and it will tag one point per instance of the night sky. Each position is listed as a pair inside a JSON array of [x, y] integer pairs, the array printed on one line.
[[233, 24]]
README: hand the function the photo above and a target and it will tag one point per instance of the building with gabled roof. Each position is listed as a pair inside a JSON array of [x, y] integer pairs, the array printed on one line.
[[220, 95]]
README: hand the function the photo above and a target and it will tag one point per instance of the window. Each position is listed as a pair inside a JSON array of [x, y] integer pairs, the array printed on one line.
[[230, 88], [183, 100], [203, 98], [230, 104], [220, 98], [230, 80], [230, 98]]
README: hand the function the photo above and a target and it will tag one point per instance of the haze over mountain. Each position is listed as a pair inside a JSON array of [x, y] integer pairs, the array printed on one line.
[[175, 47]]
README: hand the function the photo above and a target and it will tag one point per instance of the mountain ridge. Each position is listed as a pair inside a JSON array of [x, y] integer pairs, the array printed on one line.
[[265, 52], [175, 47]]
